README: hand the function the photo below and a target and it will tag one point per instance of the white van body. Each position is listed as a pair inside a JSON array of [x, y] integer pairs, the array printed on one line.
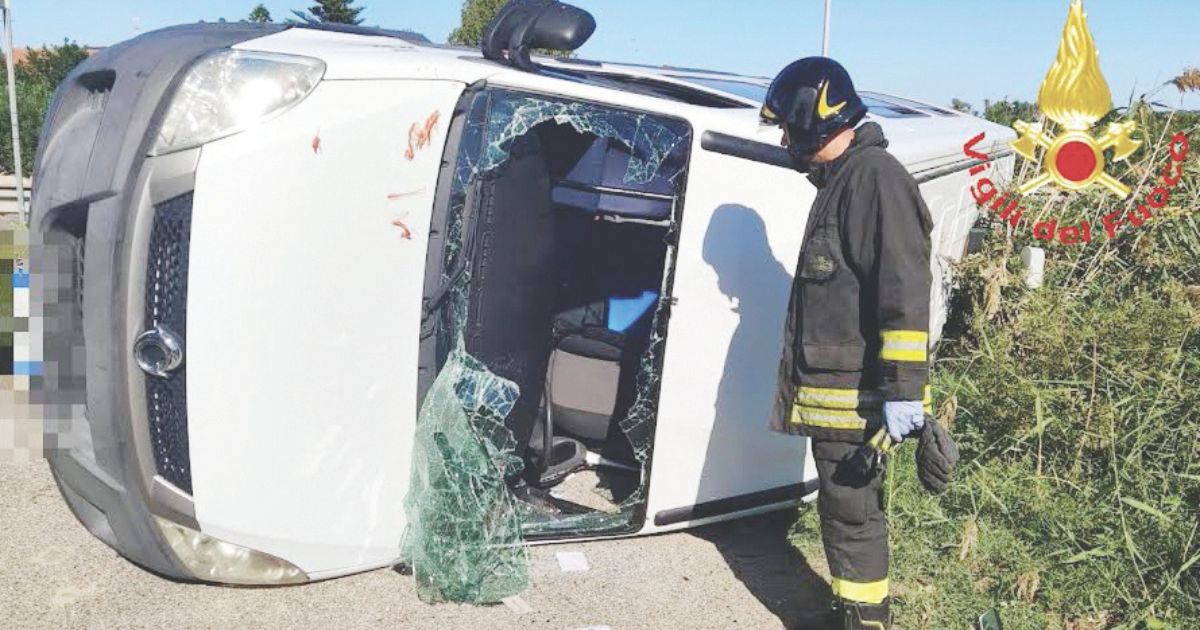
[[306, 275]]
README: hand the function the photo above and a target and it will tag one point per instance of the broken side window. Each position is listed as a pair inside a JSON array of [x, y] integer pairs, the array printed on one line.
[[531, 171]]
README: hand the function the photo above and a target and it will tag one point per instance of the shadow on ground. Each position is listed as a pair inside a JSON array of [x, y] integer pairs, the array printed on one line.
[[760, 556]]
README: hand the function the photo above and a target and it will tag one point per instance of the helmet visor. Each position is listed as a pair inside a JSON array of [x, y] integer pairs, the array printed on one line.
[[796, 115]]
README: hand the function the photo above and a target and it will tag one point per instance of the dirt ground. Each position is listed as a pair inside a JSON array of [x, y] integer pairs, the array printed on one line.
[[53, 574]]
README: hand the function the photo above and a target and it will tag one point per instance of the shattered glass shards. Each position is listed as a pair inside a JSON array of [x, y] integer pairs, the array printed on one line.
[[638, 423], [456, 273], [465, 536], [464, 533], [649, 140]]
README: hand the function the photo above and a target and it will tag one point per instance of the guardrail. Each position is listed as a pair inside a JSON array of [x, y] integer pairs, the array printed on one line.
[[8, 194]]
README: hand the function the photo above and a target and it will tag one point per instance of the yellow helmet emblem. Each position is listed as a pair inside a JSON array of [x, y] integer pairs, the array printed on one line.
[[824, 110]]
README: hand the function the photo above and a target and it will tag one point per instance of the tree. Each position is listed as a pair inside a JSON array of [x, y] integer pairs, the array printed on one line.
[[335, 11], [51, 65], [260, 14], [1006, 112], [476, 15], [960, 105], [37, 77]]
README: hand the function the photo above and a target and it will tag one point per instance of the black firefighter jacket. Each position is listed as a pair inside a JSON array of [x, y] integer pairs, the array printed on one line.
[[857, 331]]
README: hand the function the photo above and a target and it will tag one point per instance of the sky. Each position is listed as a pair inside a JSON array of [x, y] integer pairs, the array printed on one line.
[[933, 50]]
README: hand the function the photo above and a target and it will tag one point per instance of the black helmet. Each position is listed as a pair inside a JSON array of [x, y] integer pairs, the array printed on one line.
[[814, 99]]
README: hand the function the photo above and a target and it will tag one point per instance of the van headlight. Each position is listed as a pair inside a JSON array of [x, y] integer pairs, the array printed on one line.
[[214, 560], [229, 91]]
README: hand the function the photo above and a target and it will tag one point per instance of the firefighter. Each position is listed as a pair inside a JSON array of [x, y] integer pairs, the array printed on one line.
[[856, 339]]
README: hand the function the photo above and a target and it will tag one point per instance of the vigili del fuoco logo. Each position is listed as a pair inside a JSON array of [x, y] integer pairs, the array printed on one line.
[[1075, 95]]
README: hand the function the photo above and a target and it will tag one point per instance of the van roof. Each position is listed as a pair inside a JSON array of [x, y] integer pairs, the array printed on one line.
[[918, 131], [727, 89]]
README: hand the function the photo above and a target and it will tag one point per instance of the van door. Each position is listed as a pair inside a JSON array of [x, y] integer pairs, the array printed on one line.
[[715, 457], [307, 244], [549, 257]]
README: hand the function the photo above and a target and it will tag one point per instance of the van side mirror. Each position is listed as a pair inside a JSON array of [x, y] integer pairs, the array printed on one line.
[[526, 25]]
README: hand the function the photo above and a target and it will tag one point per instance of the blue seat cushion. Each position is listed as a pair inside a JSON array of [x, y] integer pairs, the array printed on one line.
[[624, 312]]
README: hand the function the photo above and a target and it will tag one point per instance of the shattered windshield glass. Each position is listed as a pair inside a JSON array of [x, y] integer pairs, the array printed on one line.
[[464, 532], [466, 527], [649, 140]]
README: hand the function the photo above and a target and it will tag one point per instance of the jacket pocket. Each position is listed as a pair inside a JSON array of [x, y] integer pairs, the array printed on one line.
[[828, 294], [836, 357], [820, 261]]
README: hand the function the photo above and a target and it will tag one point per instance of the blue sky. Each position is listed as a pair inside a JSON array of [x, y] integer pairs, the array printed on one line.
[[934, 50]]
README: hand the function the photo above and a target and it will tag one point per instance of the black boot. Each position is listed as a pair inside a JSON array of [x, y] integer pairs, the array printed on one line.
[[828, 619], [863, 616]]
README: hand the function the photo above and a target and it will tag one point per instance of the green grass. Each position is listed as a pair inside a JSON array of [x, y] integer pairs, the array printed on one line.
[[1077, 503]]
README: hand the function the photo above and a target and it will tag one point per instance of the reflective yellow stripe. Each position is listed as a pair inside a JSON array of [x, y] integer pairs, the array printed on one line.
[[833, 392], [867, 592], [903, 336], [830, 418], [838, 398], [904, 345], [843, 408], [913, 356]]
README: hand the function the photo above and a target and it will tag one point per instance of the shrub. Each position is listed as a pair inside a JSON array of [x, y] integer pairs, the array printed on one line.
[[37, 76]]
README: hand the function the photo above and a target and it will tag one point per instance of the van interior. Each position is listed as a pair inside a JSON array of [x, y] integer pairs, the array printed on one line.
[[556, 261]]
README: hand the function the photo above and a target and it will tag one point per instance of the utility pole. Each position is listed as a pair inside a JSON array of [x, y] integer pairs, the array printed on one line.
[[825, 33], [6, 5]]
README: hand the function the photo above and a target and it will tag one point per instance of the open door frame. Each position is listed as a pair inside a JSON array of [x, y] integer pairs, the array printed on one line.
[[715, 456]]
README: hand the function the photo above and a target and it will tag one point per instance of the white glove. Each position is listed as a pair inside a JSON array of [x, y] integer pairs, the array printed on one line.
[[903, 417]]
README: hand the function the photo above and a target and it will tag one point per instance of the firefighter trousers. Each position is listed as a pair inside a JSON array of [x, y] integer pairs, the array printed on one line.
[[853, 524]]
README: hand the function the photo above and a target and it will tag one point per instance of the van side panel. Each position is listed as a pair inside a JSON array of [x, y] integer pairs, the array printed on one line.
[[954, 213]]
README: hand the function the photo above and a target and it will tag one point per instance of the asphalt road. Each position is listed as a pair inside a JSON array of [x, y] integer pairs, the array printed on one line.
[[53, 574]]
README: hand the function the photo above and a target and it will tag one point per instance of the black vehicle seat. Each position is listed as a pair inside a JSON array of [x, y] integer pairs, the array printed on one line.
[[583, 380], [512, 298], [590, 383]]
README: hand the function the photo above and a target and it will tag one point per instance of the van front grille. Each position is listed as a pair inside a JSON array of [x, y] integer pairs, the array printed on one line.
[[166, 306]]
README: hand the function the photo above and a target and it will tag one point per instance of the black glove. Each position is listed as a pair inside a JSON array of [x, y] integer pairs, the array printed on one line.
[[937, 455]]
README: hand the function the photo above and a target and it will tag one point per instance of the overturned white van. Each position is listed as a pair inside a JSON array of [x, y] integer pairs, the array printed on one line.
[[278, 240]]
